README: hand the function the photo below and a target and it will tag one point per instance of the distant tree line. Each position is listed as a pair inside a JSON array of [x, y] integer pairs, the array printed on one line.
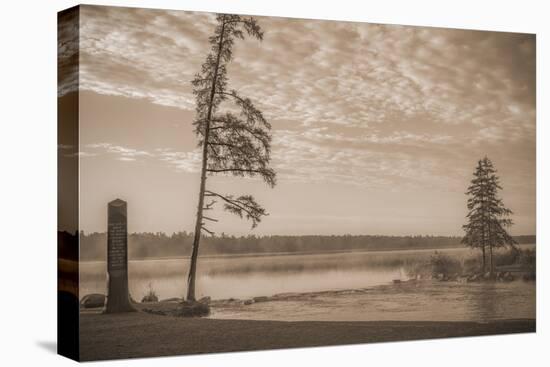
[[93, 246]]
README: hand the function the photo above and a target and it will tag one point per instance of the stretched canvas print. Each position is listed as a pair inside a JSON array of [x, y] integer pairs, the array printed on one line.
[[231, 183]]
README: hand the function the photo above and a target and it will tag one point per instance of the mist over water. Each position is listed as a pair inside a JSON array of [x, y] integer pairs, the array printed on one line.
[[223, 277], [329, 286]]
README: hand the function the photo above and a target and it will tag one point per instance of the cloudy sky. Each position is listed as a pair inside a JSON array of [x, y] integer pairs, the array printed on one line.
[[377, 128]]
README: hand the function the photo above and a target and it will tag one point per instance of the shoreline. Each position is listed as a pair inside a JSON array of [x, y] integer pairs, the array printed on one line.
[[140, 334]]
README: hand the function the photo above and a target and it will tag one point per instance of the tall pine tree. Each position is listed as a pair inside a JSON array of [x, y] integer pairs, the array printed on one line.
[[488, 218], [236, 143]]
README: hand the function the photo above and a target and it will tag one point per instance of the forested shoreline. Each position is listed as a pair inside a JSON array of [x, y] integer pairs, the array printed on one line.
[[154, 245]]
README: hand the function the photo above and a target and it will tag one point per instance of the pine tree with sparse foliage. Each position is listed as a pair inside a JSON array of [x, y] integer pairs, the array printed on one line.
[[236, 143], [488, 218]]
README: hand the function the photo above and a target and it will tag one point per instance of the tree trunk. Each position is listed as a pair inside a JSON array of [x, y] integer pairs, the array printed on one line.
[[492, 267], [490, 236], [483, 259], [198, 224], [198, 228], [483, 232]]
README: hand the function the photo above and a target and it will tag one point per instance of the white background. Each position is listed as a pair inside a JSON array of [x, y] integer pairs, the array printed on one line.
[[28, 54]]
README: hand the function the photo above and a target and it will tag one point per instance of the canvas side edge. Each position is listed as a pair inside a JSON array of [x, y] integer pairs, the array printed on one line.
[[68, 28]]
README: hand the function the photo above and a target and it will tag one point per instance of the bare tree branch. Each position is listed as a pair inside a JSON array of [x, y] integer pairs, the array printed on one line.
[[208, 231], [244, 204], [210, 219]]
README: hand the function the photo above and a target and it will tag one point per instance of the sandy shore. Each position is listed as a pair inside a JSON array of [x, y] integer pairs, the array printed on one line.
[[145, 335]]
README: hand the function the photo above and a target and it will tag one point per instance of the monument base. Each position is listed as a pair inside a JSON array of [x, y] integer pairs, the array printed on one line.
[[118, 298]]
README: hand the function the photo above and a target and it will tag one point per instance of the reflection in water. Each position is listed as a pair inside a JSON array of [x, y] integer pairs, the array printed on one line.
[[487, 300], [334, 286]]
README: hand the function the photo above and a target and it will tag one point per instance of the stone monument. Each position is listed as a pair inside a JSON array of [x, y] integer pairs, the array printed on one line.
[[118, 298]]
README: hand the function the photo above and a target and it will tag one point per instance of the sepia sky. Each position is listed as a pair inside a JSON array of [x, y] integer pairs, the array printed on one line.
[[376, 128]]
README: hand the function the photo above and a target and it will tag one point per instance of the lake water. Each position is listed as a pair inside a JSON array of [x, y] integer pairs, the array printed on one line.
[[343, 286]]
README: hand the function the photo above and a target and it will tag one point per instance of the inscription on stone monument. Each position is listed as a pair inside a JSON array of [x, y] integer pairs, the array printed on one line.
[[117, 247], [118, 298]]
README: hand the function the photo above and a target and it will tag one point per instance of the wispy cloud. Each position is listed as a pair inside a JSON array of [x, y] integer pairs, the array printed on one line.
[[309, 160], [350, 102], [318, 72], [124, 153], [179, 161]]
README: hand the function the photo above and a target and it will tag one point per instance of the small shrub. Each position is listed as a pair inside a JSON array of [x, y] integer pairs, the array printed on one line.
[[528, 258], [472, 265], [419, 270], [501, 258], [443, 264], [509, 257], [151, 296]]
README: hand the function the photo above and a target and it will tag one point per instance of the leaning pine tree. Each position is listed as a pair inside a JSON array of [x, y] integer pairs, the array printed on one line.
[[236, 143], [487, 216]]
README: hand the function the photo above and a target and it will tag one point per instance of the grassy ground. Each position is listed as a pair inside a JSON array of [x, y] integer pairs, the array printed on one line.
[[141, 334]]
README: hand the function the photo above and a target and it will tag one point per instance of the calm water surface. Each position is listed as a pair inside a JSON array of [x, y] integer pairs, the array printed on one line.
[[353, 286]]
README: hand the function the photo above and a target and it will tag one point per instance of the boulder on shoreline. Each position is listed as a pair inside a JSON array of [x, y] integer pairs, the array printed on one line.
[[178, 309], [173, 299], [93, 300], [473, 278], [193, 309], [205, 300], [505, 276], [260, 299]]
